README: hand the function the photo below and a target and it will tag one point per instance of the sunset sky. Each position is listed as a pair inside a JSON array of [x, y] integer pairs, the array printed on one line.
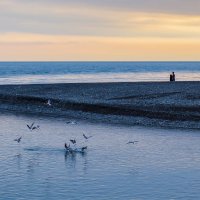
[[100, 30]]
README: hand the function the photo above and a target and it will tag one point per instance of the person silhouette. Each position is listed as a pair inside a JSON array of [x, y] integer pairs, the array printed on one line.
[[173, 76]]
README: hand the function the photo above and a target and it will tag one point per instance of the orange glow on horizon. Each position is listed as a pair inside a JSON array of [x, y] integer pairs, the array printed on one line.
[[64, 48]]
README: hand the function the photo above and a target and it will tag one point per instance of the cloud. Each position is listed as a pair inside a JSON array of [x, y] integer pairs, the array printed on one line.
[[99, 30], [66, 18], [160, 6]]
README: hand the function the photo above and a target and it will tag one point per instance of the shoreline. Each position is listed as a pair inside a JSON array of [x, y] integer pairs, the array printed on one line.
[[155, 104]]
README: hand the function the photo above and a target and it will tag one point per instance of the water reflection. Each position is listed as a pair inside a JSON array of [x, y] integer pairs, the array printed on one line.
[[32, 164], [71, 159], [18, 158]]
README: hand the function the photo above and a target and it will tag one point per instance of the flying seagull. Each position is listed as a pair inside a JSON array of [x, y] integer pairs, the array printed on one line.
[[86, 137], [18, 139], [31, 126], [73, 141], [131, 142], [36, 127]]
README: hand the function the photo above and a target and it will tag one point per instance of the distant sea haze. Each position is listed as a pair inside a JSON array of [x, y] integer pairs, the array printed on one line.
[[77, 72]]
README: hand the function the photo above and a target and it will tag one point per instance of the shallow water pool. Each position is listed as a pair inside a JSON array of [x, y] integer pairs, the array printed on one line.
[[164, 164]]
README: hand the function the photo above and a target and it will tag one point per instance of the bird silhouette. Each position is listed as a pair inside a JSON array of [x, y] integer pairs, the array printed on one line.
[[30, 126], [18, 139], [131, 142], [83, 148], [86, 137], [36, 127], [73, 141], [67, 146]]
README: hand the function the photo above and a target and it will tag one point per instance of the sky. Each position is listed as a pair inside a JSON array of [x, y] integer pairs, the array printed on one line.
[[100, 30]]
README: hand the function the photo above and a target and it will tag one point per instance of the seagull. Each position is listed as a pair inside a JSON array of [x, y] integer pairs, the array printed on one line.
[[73, 141], [49, 102], [66, 146], [131, 142], [83, 148], [36, 127], [71, 122], [31, 126], [86, 137], [18, 139]]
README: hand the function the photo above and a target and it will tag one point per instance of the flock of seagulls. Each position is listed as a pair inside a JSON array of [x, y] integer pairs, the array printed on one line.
[[74, 149], [68, 148], [31, 128]]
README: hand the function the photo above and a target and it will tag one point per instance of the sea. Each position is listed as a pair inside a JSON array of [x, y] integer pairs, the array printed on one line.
[[84, 72]]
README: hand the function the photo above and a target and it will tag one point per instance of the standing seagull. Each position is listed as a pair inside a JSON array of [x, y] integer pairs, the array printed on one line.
[[18, 139], [86, 137], [49, 102], [31, 126]]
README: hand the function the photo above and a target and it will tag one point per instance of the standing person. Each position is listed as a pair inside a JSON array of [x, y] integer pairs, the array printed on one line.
[[173, 76]]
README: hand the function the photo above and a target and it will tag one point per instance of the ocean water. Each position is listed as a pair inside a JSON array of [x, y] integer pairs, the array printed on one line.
[[76, 72], [164, 164]]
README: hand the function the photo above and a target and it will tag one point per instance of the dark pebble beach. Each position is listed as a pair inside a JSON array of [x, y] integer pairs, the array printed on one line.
[[160, 104]]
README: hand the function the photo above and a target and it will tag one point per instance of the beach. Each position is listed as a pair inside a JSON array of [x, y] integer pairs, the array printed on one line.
[[157, 104]]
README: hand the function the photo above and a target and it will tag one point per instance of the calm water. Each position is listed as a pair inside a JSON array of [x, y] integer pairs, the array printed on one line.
[[65, 72], [164, 164]]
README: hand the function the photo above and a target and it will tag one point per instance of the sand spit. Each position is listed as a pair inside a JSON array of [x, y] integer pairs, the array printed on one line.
[[165, 104]]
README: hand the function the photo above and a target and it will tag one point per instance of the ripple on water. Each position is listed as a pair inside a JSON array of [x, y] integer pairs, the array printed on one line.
[[164, 164]]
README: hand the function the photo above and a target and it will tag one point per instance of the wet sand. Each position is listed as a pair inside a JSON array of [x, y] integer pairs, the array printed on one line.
[[165, 104]]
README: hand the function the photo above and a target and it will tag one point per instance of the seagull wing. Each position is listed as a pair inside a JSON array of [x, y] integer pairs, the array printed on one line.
[[19, 140], [85, 136], [72, 141], [28, 126], [130, 142], [32, 124]]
